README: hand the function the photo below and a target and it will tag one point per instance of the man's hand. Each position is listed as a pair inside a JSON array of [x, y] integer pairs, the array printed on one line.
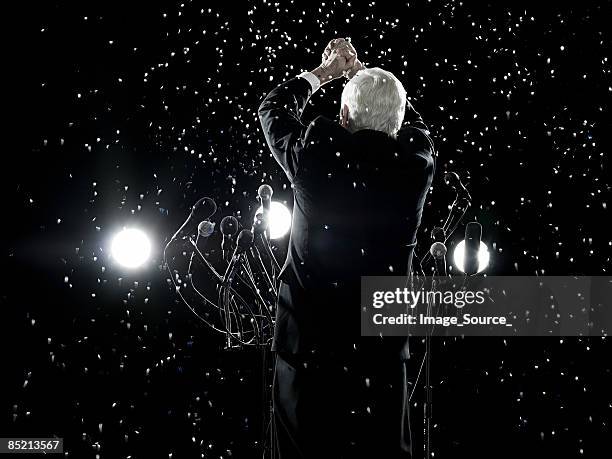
[[339, 58], [353, 64], [357, 66]]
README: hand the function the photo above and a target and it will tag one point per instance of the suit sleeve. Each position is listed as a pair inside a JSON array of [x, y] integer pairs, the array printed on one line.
[[280, 115]]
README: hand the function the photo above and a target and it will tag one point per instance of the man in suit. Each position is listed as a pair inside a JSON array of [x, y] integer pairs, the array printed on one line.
[[359, 189]]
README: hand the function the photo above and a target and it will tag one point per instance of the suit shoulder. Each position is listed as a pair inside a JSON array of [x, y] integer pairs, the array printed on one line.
[[322, 129], [420, 148], [416, 139]]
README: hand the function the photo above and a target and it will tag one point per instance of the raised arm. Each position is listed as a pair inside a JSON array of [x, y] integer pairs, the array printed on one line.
[[280, 113]]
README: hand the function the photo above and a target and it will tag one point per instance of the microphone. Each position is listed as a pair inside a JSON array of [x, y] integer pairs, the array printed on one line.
[[243, 242], [229, 227], [205, 229], [259, 225], [452, 180], [438, 252], [265, 197], [473, 234], [203, 209]]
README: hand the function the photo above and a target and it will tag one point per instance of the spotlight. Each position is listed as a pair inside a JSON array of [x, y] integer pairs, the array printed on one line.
[[483, 256], [279, 219], [131, 247]]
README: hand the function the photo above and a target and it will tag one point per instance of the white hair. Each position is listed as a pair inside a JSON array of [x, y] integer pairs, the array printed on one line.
[[376, 100]]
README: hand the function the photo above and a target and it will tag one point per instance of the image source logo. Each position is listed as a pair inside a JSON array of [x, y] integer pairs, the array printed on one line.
[[486, 306]]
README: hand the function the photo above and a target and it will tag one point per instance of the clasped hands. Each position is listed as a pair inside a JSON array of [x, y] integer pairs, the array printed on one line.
[[339, 59]]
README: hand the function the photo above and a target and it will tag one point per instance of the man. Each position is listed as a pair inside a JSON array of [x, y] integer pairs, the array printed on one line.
[[359, 188]]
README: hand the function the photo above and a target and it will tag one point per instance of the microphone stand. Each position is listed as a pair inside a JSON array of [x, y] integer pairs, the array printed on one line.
[[270, 255], [438, 252], [427, 405], [261, 231], [427, 408], [245, 290]]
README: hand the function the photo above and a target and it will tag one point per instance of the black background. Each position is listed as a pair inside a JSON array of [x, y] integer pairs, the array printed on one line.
[[124, 114]]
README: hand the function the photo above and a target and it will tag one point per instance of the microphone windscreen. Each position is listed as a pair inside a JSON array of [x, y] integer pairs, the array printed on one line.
[[265, 192], [438, 250], [204, 208], [473, 231], [206, 228], [229, 225]]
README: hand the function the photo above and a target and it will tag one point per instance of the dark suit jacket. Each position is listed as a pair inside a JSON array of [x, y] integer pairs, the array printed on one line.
[[358, 200]]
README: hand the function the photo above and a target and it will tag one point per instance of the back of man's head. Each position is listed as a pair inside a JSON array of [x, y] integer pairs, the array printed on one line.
[[375, 100]]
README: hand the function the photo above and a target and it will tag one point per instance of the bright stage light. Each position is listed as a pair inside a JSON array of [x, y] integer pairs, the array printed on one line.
[[483, 256], [131, 247], [279, 219]]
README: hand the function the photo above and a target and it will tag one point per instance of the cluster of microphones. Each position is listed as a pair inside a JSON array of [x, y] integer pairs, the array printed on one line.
[[234, 292]]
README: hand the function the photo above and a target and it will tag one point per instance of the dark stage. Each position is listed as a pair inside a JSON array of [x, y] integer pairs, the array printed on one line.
[[125, 114]]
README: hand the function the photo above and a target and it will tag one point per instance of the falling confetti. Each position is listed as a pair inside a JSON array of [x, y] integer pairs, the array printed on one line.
[[129, 115]]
